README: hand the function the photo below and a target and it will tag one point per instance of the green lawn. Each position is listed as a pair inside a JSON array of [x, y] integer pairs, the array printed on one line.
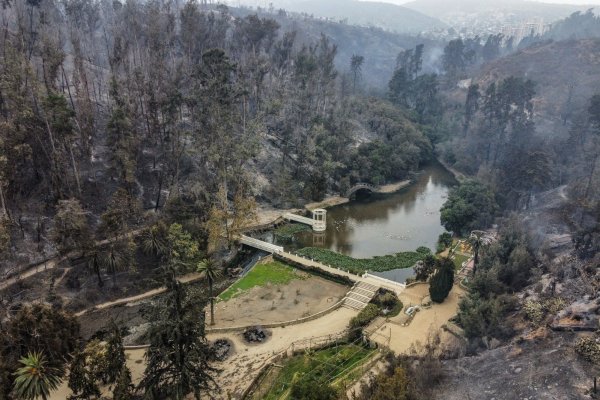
[[274, 272], [329, 366], [459, 259], [358, 266]]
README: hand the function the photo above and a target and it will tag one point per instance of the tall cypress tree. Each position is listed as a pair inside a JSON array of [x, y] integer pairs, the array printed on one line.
[[442, 281]]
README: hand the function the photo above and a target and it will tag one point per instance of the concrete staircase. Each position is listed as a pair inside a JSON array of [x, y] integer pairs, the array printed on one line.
[[359, 296]]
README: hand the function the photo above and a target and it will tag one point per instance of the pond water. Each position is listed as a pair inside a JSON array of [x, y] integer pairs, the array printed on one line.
[[377, 225]]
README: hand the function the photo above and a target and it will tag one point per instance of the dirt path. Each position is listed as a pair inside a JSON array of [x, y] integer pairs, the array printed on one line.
[[192, 277], [400, 338], [53, 262], [36, 269], [60, 279], [327, 202], [243, 365], [237, 372], [393, 187]]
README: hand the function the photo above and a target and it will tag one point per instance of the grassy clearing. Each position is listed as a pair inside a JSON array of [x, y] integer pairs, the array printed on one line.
[[459, 259], [328, 367], [274, 273], [358, 266]]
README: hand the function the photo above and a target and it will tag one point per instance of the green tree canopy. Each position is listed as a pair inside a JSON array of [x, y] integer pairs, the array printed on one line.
[[470, 206]]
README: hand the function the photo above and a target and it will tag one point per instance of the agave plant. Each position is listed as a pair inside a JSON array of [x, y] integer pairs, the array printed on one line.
[[35, 379]]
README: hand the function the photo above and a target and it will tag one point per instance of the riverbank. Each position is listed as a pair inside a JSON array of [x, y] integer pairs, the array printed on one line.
[[394, 187], [330, 201], [458, 175]]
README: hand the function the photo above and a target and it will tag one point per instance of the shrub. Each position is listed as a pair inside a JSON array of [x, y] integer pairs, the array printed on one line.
[[365, 316], [442, 281], [388, 300], [444, 241], [486, 284], [396, 386], [534, 310], [589, 349], [423, 250], [425, 268], [312, 389], [481, 317]]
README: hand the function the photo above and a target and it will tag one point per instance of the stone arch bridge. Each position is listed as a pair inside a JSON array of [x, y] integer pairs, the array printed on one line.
[[362, 186]]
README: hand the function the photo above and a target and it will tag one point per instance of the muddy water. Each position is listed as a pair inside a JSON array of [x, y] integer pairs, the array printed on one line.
[[376, 225]]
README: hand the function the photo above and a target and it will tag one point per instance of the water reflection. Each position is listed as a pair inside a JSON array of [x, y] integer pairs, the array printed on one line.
[[387, 224]]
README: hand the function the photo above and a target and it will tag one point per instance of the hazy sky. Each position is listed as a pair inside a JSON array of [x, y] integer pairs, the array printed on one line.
[[584, 2]]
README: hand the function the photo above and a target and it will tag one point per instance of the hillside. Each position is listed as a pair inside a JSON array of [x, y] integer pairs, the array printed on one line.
[[522, 9], [145, 137], [380, 48], [566, 74], [382, 15]]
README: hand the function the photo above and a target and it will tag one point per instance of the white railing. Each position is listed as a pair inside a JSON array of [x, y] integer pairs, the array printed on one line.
[[299, 218], [259, 244], [384, 280]]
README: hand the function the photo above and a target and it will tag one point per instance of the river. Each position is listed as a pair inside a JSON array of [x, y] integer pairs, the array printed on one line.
[[380, 224]]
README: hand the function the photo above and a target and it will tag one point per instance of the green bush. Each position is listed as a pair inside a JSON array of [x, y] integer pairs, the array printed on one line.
[[308, 376], [389, 300], [444, 241], [481, 317], [364, 318], [423, 250], [312, 389]]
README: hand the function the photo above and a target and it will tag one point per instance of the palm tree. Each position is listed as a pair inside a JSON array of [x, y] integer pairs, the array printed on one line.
[[113, 261], [94, 263], [35, 378], [154, 238], [117, 257], [212, 272], [477, 240]]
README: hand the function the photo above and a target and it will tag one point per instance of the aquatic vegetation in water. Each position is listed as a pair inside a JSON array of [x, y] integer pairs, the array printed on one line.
[[358, 266]]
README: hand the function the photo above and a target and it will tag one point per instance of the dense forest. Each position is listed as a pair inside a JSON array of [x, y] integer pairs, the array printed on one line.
[[112, 108], [137, 138]]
